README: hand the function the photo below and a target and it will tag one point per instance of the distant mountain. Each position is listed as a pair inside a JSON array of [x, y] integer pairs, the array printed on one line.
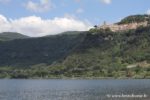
[[5, 36], [31, 51]]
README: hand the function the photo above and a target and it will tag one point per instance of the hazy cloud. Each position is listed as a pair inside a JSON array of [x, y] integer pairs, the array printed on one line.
[[148, 12], [42, 6], [106, 1], [79, 10], [36, 26]]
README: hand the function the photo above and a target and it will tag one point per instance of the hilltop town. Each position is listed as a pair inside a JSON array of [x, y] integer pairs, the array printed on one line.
[[123, 27]]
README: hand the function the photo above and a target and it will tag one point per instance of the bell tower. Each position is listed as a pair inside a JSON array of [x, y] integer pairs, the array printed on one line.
[[104, 23]]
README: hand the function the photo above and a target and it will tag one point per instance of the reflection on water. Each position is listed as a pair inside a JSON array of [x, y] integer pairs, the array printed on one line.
[[72, 89]]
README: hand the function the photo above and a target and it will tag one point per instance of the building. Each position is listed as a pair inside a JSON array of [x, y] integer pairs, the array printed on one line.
[[123, 27]]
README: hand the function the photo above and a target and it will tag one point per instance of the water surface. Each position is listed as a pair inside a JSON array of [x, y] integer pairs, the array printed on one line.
[[73, 89]]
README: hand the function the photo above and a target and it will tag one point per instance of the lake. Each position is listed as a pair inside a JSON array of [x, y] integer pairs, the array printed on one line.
[[74, 89]]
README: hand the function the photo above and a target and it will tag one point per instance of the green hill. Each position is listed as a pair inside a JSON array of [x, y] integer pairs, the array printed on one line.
[[6, 36], [96, 53], [107, 54], [31, 51]]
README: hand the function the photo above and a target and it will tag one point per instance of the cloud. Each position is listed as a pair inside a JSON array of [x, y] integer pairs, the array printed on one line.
[[106, 1], [148, 12], [36, 26], [4, 24], [80, 10], [42, 6]]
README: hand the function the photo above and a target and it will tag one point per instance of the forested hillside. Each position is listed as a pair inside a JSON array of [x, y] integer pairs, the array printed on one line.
[[31, 51], [97, 53]]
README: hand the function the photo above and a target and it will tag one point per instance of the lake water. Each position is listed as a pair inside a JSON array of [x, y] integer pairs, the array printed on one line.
[[74, 89]]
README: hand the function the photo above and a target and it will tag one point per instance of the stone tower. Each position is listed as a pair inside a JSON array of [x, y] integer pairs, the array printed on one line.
[[104, 23]]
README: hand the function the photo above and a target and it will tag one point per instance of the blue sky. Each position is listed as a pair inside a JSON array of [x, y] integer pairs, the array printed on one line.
[[64, 15]]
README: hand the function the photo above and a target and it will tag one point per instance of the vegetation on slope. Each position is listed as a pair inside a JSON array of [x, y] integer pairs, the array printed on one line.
[[32, 51], [107, 54], [135, 18], [96, 53]]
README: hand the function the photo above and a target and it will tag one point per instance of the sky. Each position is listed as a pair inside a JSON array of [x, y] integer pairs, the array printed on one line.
[[47, 17]]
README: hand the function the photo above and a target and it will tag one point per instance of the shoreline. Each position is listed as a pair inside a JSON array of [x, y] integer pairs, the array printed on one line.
[[78, 78]]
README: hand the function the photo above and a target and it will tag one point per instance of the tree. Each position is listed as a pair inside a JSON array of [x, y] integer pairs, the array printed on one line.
[[95, 26]]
